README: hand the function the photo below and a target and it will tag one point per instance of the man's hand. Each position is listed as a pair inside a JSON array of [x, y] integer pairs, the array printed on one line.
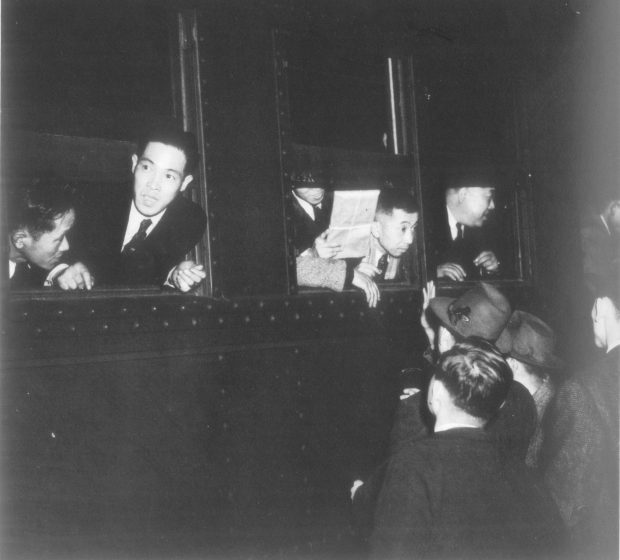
[[186, 275], [451, 270], [488, 261], [428, 294], [75, 277], [366, 284], [326, 250]]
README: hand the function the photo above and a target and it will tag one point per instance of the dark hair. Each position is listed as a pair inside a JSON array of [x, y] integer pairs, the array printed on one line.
[[476, 376], [476, 175], [35, 207], [391, 199], [172, 136]]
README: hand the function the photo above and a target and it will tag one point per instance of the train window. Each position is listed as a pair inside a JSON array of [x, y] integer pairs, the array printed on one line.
[[346, 120], [81, 83], [468, 136]]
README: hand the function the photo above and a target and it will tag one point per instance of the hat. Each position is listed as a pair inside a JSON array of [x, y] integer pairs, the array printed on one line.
[[482, 311], [307, 179], [529, 339]]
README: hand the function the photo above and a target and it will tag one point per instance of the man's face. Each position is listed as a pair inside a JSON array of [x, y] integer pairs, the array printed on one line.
[[312, 195], [47, 249], [396, 231], [158, 177], [476, 205]]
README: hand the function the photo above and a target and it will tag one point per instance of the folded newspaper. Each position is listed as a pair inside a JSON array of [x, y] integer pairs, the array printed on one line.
[[353, 212]]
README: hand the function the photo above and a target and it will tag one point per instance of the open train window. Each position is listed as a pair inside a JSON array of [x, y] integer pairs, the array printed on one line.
[[82, 81], [469, 134], [346, 125]]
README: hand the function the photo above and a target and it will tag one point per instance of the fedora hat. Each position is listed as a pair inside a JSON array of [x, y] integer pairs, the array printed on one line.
[[482, 311], [530, 340]]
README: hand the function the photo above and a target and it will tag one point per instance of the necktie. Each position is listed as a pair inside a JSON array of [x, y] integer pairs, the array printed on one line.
[[139, 236], [382, 265], [318, 213], [459, 232]]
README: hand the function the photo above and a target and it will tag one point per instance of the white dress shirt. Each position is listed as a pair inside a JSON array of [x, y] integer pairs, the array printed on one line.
[[134, 221], [307, 207], [454, 230]]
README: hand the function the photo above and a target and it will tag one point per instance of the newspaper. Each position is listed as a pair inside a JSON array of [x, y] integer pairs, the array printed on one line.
[[353, 212]]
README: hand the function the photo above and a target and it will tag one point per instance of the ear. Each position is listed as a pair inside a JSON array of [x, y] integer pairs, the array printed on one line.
[[188, 179], [18, 238], [375, 229], [134, 162], [437, 396]]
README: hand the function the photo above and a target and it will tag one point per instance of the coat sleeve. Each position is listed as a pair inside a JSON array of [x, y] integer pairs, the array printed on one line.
[[315, 272], [573, 449], [402, 524]]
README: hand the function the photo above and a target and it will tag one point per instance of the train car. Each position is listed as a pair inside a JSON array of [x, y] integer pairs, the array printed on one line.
[[229, 421]]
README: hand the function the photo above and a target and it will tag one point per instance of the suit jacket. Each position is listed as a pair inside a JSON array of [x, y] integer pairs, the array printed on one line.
[[510, 432], [579, 463], [305, 229], [444, 249], [100, 233], [448, 496], [28, 277]]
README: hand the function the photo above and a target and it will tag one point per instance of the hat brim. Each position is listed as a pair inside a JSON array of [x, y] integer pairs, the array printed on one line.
[[551, 361]]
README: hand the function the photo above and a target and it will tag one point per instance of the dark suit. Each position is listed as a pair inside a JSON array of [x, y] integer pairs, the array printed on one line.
[[27, 277], [579, 457], [510, 431], [100, 233], [459, 251], [305, 229], [448, 496]]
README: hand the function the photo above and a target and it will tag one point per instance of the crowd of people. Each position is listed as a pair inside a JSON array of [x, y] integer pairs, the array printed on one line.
[[462, 247], [499, 451]]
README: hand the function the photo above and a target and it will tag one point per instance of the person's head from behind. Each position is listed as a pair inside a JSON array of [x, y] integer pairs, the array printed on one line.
[[470, 380], [396, 219], [470, 195], [39, 217], [162, 168], [606, 317], [482, 311]]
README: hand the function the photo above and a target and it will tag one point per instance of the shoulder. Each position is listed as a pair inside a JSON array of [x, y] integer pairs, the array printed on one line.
[[184, 209]]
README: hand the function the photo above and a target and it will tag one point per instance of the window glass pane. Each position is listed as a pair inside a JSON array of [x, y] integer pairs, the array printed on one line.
[[337, 95], [85, 68]]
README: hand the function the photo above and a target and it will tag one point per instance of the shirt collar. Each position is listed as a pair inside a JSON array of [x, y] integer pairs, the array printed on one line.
[[452, 223], [12, 266], [453, 426], [307, 207], [613, 345], [134, 220]]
